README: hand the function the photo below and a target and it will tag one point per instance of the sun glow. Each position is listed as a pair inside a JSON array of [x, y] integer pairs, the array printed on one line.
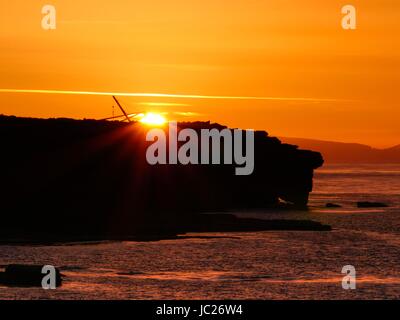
[[153, 119]]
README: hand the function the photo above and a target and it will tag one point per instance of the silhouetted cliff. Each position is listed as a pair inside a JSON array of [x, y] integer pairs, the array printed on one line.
[[87, 177]]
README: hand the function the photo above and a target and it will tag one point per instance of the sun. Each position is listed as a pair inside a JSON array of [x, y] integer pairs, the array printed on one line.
[[152, 119]]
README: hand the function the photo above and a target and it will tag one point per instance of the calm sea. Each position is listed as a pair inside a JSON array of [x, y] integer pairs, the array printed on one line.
[[263, 265]]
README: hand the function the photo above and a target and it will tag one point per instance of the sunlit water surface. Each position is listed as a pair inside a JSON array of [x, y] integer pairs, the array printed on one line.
[[262, 265]]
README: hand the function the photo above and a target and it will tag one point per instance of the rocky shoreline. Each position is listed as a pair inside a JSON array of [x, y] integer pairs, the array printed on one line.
[[200, 223]]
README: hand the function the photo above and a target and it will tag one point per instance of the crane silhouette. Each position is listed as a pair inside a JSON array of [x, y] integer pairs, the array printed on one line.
[[124, 113]]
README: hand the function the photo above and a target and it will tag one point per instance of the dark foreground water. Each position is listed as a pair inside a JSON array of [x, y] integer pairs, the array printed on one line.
[[262, 265]]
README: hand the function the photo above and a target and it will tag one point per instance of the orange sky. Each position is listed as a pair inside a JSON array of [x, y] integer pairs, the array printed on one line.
[[279, 48]]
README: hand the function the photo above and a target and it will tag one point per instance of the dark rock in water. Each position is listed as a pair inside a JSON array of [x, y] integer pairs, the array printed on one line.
[[86, 179], [26, 276], [333, 205], [367, 204]]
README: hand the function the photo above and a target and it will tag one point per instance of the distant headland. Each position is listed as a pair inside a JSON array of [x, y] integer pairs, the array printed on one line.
[[341, 152]]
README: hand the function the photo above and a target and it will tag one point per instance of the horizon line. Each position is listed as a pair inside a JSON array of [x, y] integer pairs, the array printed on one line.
[[167, 95]]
